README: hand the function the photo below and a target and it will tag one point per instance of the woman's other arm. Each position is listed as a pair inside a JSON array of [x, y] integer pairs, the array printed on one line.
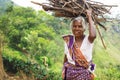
[[92, 31]]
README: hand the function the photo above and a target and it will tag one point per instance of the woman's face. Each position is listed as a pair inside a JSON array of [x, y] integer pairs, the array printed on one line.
[[77, 28]]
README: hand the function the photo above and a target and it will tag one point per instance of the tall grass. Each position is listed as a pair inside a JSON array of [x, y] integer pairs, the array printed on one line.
[[107, 61]]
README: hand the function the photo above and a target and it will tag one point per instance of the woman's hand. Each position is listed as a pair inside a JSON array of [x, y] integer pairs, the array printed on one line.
[[89, 12]]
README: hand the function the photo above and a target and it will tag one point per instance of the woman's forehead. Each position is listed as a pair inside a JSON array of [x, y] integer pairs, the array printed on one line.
[[77, 22]]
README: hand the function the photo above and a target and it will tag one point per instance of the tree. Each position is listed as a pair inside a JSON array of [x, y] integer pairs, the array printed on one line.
[[3, 74]]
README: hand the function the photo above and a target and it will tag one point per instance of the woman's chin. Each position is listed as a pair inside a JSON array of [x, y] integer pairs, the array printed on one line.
[[77, 35]]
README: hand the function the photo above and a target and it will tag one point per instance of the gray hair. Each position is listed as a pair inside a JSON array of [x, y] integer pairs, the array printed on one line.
[[84, 23]]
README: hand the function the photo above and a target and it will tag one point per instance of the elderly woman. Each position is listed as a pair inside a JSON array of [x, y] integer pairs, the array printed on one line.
[[78, 50]]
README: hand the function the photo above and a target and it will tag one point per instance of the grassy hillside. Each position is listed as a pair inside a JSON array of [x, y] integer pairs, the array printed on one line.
[[107, 60]]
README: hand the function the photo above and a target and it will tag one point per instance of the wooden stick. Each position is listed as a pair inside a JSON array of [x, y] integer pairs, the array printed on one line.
[[100, 36], [101, 25]]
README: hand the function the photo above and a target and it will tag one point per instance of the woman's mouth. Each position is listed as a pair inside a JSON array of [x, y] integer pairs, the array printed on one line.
[[77, 32]]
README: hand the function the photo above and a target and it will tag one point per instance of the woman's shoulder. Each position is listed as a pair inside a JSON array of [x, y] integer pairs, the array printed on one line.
[[67, 37], [86, 41]]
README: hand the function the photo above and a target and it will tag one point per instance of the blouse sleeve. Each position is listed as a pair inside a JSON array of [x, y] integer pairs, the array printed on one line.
[[88, 42]]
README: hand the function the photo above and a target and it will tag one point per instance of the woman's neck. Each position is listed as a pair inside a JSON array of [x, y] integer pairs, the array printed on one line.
[[79, 38]]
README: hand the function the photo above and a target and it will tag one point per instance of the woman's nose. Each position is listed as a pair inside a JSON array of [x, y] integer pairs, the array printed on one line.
[[78, 27]]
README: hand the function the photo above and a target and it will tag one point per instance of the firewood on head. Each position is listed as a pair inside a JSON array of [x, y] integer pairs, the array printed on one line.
[[75, 8]]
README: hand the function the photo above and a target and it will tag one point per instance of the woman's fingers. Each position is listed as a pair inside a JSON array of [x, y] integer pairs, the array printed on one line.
[[89, 12]]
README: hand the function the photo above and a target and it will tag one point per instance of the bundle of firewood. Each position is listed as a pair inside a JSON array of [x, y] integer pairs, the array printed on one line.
[[74, 8]]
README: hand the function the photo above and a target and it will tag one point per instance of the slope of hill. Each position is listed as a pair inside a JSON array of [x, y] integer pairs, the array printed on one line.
[[107, 60]]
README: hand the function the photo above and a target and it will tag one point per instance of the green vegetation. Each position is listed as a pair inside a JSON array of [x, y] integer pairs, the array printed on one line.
[[33, 44]]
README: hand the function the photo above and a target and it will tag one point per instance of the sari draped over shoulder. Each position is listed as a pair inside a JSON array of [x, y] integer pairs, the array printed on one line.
[[79, 70]]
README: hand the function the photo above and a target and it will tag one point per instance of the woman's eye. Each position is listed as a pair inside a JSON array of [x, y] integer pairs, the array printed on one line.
[[80, 26], [74, 26]]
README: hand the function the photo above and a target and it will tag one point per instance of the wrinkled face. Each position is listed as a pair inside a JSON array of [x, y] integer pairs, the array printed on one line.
[[77, 28]]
